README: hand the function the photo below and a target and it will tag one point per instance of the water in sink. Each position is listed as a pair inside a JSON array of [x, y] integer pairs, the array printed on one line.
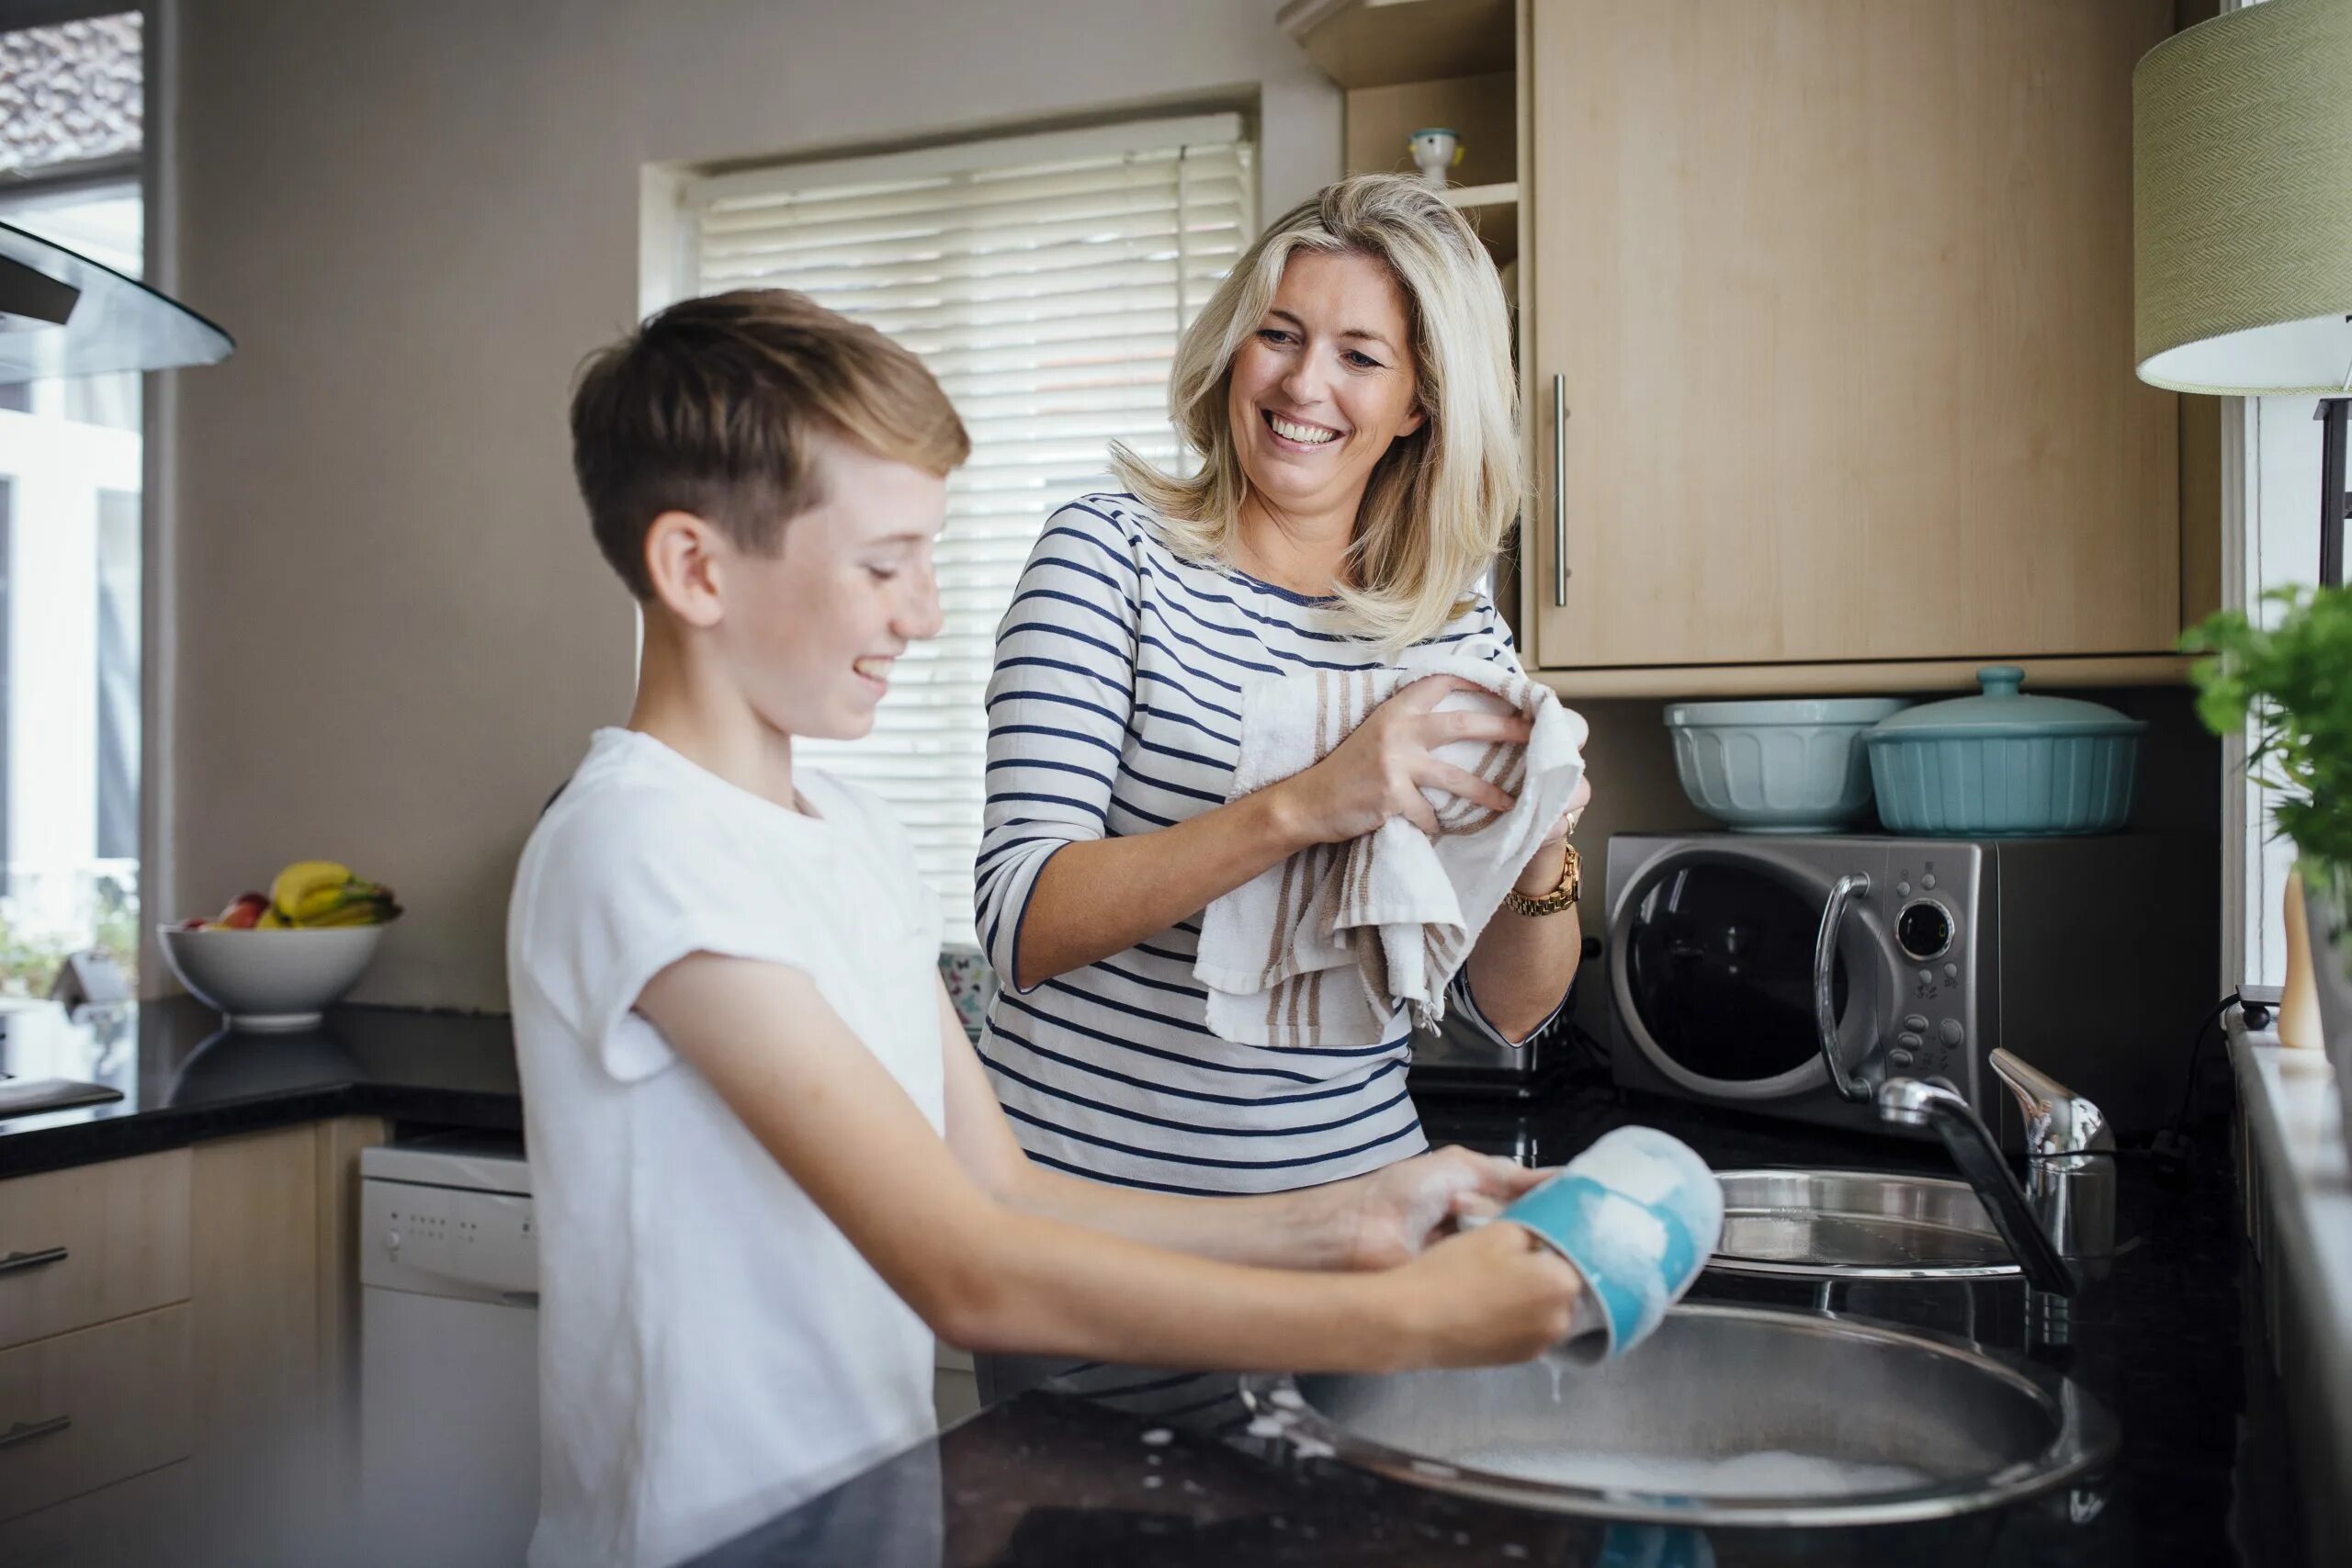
[[1771, 1472], [1728, 1415]]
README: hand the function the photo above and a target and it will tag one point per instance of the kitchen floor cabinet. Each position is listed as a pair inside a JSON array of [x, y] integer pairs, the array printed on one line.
[[1830, 347], [187, 1318]]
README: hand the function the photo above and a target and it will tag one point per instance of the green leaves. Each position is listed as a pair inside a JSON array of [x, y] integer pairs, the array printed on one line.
[[2294, 681]]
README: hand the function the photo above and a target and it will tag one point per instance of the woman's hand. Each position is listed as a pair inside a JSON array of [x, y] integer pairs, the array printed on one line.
[[1401, 1209], [1380, 770], [1543, 866]]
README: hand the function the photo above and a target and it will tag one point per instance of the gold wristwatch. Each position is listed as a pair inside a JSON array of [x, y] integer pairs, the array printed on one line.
[[1559, 898]]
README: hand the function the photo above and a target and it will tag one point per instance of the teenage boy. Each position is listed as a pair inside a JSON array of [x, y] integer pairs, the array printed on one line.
[[768, 1166]]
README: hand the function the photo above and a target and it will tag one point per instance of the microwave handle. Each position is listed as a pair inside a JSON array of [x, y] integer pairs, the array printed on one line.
[[1825, 964]]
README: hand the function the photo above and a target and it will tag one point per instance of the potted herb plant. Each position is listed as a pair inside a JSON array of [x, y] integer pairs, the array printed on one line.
[[2293, 679]]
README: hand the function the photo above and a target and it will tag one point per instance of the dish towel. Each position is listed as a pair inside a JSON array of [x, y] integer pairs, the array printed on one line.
[[1316, 950]]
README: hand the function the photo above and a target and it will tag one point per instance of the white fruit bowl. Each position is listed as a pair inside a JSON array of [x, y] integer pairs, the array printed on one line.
[[281, 979]]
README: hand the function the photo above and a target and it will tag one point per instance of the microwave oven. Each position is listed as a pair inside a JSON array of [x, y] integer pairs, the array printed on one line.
[[2093, 958]]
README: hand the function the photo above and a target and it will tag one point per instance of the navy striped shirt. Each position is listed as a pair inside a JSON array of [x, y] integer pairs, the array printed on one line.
[[1115, 709]]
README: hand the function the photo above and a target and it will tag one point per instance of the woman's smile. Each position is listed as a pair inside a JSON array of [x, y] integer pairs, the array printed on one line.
[[1295, 435]]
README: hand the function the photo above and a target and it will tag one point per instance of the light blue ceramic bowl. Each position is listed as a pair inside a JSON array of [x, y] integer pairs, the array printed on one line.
[[2005, 765], [1778, 767]]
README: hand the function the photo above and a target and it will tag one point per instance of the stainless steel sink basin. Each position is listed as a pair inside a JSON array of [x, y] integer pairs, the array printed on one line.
[[1856, 1224], [1730, 1415]]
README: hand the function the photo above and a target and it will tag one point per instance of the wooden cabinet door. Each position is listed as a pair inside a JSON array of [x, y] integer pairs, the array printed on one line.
[[1839, 292], [96, 1242]]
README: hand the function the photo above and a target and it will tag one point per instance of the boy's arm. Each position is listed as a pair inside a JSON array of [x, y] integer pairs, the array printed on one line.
[[1371, 1221], [989, 1277]]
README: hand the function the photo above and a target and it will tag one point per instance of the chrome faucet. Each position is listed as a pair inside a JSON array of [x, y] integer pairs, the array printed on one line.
[[2067, 1207], [1919, 1102], [2070, 1160]]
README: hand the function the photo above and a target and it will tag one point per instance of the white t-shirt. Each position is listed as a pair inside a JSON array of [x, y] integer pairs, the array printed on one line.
[[712, 1350]]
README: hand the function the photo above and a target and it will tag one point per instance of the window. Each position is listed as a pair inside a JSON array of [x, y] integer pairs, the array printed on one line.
[[1045, 280], [2271, 447], [70, 520]]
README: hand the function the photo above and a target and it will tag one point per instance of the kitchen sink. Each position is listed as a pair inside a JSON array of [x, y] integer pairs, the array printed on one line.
[[1856, 1224], [1726, 1416]]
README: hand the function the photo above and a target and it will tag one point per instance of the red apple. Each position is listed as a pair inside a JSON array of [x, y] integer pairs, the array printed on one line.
[[244, 911]]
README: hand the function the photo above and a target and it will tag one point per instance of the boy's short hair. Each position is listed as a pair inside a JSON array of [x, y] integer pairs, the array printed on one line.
[[710, 408]]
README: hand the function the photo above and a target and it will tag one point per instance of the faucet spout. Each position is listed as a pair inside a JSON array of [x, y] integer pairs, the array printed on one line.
[[1916, 1102], [2070, 1160]]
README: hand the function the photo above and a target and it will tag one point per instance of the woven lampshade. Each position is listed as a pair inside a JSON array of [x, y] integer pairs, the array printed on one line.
[[2242, 202]]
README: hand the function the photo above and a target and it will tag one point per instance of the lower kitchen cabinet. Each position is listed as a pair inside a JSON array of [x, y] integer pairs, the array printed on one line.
[[92, 1244], [142, 1520], [92, 1407], [239, 1380]]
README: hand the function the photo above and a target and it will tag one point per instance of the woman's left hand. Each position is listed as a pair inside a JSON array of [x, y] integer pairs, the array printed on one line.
[[1579, 798], [1400, 1209]]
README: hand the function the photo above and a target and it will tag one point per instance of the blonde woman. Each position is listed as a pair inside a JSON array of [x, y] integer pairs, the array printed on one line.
[[1350, 389]]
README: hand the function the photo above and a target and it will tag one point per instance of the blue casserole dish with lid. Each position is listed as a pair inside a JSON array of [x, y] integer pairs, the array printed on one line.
[[2003, 765]]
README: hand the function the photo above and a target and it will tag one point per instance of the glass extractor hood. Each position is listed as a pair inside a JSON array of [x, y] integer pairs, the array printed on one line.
[[64, 314]]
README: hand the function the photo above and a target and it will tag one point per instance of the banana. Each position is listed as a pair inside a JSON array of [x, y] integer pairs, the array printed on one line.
[[358, 912], [320, 894], [306, 886]]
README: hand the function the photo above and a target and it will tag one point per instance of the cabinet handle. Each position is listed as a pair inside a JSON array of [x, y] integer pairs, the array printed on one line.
[[26, 1431], [17, 1260], [1560, 491]]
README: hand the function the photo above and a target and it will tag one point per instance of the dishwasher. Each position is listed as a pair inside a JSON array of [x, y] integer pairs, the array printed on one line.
[[449, 1333]]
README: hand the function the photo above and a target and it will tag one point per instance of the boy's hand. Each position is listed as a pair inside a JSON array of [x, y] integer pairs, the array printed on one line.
[[1490, 1297], [1400, 1211]]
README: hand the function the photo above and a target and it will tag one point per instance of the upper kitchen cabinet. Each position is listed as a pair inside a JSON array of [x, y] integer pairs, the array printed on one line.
[[1830, 347], [1406, 65]]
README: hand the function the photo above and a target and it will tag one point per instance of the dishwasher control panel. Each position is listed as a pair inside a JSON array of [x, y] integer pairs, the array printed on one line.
[[446, 1241]]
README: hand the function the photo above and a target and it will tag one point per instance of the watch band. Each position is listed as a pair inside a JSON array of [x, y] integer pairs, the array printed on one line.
[[1559, 898]]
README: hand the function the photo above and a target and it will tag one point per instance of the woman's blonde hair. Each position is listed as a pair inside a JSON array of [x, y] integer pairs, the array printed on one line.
[[1440, 499]]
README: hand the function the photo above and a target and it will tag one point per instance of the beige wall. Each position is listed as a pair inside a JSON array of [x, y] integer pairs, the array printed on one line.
[[393, 635]]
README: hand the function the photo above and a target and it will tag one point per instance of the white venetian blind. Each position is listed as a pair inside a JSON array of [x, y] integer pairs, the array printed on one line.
[[1045, 280]]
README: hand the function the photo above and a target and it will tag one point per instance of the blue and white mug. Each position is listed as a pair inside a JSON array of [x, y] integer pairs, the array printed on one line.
[[1638, 1213]]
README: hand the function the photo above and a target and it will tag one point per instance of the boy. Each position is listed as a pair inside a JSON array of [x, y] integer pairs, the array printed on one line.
[[768, 1166]]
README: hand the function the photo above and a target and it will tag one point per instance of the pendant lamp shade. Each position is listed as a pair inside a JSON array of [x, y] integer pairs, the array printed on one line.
[[2241, 203]]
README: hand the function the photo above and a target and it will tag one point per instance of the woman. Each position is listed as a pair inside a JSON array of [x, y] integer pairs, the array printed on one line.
[[1351, 390]]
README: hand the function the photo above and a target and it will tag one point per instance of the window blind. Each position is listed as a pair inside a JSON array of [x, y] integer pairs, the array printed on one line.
[[1045, 280]]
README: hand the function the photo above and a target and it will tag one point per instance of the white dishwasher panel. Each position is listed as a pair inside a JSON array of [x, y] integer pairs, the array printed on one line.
[[475, 1246], [451, 1429], [449, 1333]]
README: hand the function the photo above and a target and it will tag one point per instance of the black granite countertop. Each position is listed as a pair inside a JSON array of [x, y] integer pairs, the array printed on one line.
[[1046, 1478], [185, 1078]]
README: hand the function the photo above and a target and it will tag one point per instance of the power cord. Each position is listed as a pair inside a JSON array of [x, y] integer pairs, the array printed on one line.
[[2171, 1144]]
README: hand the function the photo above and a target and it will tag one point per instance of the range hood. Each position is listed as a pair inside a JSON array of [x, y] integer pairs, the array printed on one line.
[[64, 314]]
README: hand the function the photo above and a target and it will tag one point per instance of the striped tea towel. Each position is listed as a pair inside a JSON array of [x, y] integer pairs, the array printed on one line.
[[1318, 949]]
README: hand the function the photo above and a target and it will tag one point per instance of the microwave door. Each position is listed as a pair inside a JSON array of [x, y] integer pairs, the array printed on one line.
[[1714, 971]]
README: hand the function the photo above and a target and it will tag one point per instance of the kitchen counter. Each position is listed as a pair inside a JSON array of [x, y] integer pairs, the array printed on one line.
[[1047, 1478], [2299, 1212], [185, 1078]]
